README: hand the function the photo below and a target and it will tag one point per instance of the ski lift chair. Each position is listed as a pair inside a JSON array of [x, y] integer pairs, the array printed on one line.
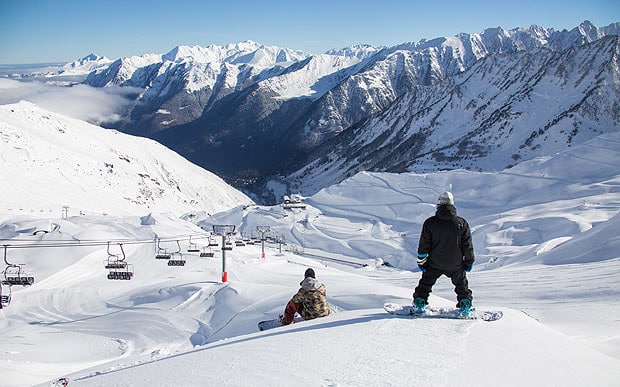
[[125, 273], [227, 245], [206, 252], [162, 253], [13, 274], [5, 297], [118, 267], [114, 261], [212, 242], [193, 248], [176, 258]]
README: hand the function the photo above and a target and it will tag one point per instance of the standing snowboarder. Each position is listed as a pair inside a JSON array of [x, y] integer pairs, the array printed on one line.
[[310, 301], [445, 248]]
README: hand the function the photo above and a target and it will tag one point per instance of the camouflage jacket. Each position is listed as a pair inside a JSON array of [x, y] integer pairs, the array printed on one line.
[[311, 299]]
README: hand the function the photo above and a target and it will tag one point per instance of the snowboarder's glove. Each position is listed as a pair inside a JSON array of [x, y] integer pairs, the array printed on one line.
[[468, 266], [422, 259]]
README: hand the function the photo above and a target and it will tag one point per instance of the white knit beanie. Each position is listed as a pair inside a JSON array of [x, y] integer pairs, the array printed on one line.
[[446, 198]]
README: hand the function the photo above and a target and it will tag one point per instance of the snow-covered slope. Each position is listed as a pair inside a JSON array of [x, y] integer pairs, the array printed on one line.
[[50, 161], [547, 256], [310, 78], [519, 212]]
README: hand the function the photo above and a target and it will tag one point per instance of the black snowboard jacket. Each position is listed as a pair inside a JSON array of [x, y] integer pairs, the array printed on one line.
[[446, 238]]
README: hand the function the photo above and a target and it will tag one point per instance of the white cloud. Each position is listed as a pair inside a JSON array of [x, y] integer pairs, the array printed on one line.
[[95, 105]]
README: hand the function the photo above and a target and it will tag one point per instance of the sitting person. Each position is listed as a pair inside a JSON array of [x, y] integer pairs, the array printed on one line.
[[310, 301]]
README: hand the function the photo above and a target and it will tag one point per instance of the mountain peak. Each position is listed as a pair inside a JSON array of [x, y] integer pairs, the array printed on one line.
[[92, 57], [189, 53], [359, 51], [589, 30], [86, 64]]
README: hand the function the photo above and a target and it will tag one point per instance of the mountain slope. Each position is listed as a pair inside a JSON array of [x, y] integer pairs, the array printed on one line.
[[49, 161]]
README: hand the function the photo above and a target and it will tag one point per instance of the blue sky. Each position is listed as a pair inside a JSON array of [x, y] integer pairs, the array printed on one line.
[[37, 31]]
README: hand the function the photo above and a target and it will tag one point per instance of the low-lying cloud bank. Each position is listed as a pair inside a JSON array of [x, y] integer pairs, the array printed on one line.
[[99, 106]]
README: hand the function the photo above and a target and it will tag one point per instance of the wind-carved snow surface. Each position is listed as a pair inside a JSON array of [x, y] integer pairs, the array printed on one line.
[[548, 256]]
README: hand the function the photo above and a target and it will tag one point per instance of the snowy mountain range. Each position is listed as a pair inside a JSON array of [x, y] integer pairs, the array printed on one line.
[[44, 155], [275, 121], [57, 73], [248, 111], [503, 109]]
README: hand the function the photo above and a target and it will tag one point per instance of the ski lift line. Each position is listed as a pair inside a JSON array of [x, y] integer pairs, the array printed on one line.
[[201, 235], [84, 241], [172, 238], [95, 243], [354, 264]]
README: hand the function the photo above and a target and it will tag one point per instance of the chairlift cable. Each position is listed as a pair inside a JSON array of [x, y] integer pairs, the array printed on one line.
[[97, 242]]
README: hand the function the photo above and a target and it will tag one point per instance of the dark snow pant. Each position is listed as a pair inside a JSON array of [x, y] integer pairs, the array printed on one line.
[[289, 312], [430, 276]]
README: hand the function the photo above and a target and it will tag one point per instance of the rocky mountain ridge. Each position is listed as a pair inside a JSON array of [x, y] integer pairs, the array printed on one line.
[[504, 109]]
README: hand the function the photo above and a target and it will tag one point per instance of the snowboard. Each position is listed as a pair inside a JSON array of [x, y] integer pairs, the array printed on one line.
[[274, 323], [447, 313]]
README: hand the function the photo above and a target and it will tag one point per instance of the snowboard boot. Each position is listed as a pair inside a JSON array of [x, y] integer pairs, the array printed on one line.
[[465, 308], [419, 305]]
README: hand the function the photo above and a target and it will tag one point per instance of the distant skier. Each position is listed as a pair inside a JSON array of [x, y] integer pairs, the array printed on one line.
[[310, 301], [445, 248]]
